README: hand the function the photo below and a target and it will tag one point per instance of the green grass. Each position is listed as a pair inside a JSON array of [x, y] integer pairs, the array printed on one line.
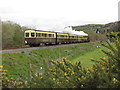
[[18, 65], [85, 58]]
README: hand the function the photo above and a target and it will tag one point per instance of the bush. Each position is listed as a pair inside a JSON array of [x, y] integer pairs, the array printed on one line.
[[64, 74]]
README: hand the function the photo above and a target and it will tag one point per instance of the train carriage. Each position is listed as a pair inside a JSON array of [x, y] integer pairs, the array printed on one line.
[[73, 38], [38, 37], [62, 38], [79, 38]]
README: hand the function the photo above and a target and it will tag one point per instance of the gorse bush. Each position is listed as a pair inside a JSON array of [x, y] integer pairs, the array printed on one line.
[[64, 74]]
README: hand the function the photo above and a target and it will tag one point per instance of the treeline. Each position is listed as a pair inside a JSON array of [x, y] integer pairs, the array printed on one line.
[[92, 27], [110, 27], [12, 35], [97, 32]]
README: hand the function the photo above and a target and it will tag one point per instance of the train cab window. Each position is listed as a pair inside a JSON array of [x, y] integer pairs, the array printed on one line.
[[32, 34], [27, 34]]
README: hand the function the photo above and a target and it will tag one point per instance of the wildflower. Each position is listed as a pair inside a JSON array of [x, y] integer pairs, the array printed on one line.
[[83, 77], [88, 71], [65, 74], [1, 67], [72, 73], [64, 59], [78, 78], [53, 78], [50, 69], [103, 67], [114, 80], [105, 58], [52, 61], [78, 67], [41, 67], [81, 85], [69, 69], [4, 73], [5, 70], [60, 62], [59, 82], [54, 73]]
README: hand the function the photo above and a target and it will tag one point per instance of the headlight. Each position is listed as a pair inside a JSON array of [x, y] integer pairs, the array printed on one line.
[[25, 42]]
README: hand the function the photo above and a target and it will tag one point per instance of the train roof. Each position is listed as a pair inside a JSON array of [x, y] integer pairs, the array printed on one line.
[[81, 33]]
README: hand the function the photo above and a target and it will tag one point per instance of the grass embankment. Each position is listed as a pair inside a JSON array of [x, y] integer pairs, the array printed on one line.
[[85, 57], [19, 65]]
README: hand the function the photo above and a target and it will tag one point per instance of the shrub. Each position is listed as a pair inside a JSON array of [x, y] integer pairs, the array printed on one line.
[[64, 74]]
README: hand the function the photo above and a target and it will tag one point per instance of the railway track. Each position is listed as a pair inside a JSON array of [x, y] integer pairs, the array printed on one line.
[[28, 49]]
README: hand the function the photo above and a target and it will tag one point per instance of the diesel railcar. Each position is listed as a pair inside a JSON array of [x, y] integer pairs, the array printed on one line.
[[40, 37]]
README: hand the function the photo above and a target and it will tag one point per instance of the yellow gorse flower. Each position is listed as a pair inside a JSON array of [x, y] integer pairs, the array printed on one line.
[[1, 66], [54, 73], [78, 78], [61, 62], [72, 73], [105, 58], [64, 59], [65, 74], [69, 69], [114, 80], [78, 67]]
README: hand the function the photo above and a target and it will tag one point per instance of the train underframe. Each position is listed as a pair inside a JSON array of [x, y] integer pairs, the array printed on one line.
[[47, 41]]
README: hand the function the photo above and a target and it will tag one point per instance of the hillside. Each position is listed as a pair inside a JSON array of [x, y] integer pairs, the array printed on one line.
[[88, 27], [101, 28], [97, 32]]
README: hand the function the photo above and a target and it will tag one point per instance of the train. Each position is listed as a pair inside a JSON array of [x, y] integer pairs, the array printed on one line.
[[40, 37]]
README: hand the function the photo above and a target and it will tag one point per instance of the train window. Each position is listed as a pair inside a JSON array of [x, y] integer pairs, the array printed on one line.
[[50, 35], [44, 35], [27, 34], [40, 34], [37, 34], [32, 34]]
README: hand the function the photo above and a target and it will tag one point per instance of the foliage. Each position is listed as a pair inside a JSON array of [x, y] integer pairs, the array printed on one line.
[[12, 35], [64, 74], [18, 64], [91, 27]]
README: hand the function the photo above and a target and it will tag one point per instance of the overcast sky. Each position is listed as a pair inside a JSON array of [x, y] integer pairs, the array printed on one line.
[[47, 14]]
